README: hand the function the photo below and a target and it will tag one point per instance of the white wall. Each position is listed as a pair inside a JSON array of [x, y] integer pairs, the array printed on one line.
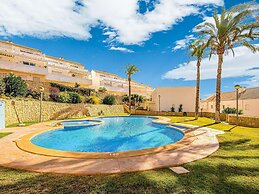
[[174, 96]]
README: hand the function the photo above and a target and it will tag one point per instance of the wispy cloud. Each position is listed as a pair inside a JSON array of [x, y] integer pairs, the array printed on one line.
[[183, 43], [122, 49], [73, 18], [245, 63]]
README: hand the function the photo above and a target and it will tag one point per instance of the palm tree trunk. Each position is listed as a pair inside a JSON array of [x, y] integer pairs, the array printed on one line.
[[129, 93], [218, 87], [197, 103]]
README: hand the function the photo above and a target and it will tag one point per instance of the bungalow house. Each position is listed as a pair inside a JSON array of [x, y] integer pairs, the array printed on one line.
[[248, 101]]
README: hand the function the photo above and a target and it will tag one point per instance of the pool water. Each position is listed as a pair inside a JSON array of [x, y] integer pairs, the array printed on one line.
[[114, 134]]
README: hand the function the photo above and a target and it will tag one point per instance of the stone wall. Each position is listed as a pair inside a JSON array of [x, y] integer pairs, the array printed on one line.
[[189, 114], [28, 110], [243, 120]]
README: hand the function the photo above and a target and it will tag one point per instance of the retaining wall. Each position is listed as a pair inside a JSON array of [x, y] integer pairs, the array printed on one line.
[[29, 110], [243, 120]]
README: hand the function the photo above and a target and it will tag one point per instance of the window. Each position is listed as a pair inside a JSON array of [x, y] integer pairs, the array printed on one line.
[[223, 106], [211, 106], [26, 63]]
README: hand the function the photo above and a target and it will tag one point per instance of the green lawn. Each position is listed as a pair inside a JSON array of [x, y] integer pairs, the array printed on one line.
[[4, 134], [234, 168]]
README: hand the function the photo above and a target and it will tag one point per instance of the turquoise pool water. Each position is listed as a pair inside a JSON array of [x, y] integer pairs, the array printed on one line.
[[114, 134]]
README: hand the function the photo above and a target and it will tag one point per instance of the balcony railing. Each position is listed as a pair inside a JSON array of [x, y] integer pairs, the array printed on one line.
[[23, 68], [65, 78]]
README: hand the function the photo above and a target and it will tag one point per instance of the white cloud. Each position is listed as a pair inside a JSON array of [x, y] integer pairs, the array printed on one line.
[[48, 18], [245, 63], [122, 49], [183, 43]]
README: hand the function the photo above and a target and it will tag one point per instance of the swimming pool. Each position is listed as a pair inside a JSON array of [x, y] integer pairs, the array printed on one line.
[[111, 134]]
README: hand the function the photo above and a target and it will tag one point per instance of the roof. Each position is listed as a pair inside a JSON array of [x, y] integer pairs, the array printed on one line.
[[18, 45], [62, 59], [248, 93], [115, 75]]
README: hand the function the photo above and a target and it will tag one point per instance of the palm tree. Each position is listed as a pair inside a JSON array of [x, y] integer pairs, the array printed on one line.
[[228, 30], [130, 70], [197, 50]]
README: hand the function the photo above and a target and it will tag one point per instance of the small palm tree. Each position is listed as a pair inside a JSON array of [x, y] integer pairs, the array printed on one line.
[[228, 30], [197, 50], [130, 70]]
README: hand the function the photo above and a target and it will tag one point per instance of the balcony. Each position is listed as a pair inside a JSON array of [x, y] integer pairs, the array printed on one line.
[[23, 68], [64, 78]]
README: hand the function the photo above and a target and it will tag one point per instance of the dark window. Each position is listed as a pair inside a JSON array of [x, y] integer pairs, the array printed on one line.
[[26, 63]]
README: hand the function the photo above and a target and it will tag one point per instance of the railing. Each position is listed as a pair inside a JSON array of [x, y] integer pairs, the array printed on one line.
[[23, 68], [64, 78]]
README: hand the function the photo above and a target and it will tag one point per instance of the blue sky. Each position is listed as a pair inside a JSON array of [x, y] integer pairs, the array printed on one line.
[[107, 35]]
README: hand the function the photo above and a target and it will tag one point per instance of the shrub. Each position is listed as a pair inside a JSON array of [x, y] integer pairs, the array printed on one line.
[[172, 109], [102, 90], [180, 109], [74, 97], [64, 97], [229, 110], [54, 94], [93, 100], [125, 98], [77, 85], [81, 91], [109, 100], [83, 99], [15, 86], [33, 94], [2, 87]]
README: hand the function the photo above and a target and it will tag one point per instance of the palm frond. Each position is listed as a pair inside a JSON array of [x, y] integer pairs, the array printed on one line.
[[253, 48]]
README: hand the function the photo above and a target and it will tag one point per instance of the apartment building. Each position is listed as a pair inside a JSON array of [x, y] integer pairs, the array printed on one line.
[[33, 65], [248, 101], [118, 85]]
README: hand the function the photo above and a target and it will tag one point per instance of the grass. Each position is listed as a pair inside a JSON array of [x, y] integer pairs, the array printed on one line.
[[234, 168], [4, 134]]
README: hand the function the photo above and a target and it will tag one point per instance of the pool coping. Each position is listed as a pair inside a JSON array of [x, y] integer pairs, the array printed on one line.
[[25, 144]]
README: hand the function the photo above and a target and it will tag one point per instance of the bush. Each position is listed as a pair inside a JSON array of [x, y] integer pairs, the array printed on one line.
[[109, 100], [33, 94], [64, 97], [2, 87], [172, 109], [54, 94], [180, 109], [102, 90], [93, 100], [81, 91], [229, 110], [74, 97], [15, 86]]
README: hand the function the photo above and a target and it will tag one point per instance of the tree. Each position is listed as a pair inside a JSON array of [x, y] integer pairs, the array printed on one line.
[[15, 86], [229, 29], [109, 100], [197, 50], [130, 70], [2, 87]]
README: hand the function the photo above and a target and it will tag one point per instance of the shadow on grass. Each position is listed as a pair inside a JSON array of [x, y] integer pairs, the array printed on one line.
[[203, 178]]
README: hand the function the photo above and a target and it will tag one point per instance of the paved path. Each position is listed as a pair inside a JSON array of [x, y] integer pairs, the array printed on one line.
[[204, 144]]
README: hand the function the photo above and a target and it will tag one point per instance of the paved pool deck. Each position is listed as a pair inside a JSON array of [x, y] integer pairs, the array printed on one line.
[[203, 143]]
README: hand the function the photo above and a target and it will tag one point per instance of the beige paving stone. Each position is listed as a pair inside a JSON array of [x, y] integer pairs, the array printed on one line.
[[179, 170], [203, 144]]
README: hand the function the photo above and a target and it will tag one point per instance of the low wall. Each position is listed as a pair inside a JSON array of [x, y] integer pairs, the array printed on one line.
[[243, 120], [28, 110], [188, 114]]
